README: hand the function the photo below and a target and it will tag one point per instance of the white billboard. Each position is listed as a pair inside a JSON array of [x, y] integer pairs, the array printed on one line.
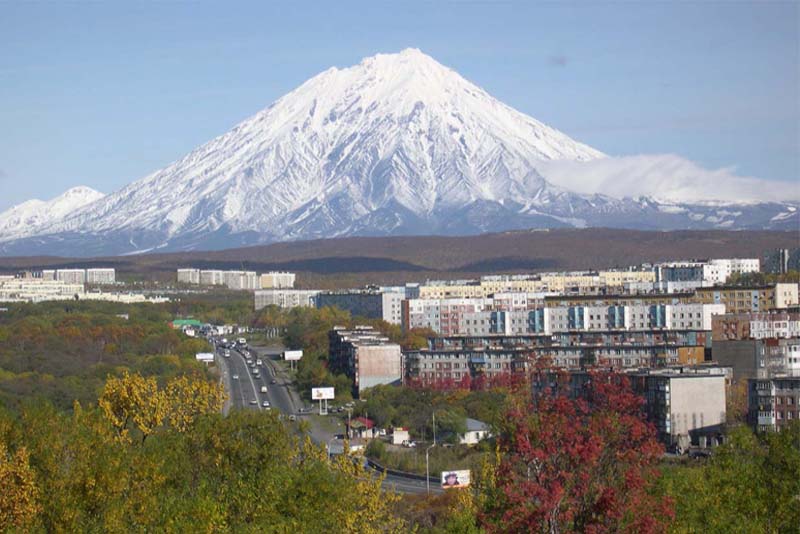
[[204, 357], [321, 393], [455, 479], [292, 355]]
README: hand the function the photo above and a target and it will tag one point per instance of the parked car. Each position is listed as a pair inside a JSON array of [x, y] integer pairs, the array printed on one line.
[[409, 443], [292, 418]]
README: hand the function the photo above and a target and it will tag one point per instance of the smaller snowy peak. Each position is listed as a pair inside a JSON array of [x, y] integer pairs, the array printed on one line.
[[26, 218]]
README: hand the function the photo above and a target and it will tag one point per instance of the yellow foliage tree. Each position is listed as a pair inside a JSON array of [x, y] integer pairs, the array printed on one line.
[[133, 400], [371, 505], [187, 398], [19, 504]]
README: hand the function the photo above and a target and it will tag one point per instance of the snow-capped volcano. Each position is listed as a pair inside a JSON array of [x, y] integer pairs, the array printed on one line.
[[396, 144]]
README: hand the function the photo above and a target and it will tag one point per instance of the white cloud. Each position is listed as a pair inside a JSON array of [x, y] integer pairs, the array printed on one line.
[[663, 176]]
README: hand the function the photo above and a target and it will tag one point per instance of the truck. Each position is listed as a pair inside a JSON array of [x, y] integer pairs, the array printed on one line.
[[263, 389], [242, 342]]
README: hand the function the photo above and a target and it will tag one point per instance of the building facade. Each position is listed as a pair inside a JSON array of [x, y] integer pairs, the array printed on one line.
[[773, 403], [277, 280], [285, 298], [101, 276], [366, 356]]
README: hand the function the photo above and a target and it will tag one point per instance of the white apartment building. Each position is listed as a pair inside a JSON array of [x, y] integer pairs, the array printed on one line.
[[285, 298], [277, 280], [49, 274], [240, 280], [786, 295], [212, 278], [188, 276], [38, 290], [101, 276], [737, 266], [71, 276]]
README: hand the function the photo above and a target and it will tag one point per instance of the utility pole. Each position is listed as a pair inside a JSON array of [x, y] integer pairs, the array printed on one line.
[[427, 470], [434, 428]]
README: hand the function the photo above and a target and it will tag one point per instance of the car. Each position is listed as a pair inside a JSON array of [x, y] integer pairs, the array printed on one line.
[[259, 362], [235, 377], [292, 418], [254, 402], [409, 443], [265, 404], [273, 381]]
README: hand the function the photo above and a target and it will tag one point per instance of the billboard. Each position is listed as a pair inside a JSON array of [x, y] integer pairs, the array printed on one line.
[[455, 479], [321, 393], [292, 355], [204, 357]]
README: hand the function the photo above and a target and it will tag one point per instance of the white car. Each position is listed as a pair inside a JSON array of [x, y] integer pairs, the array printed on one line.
[[265, 404], [235, 377]]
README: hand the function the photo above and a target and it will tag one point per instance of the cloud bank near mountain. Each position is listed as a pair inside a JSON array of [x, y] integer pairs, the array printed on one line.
[[663, 176]]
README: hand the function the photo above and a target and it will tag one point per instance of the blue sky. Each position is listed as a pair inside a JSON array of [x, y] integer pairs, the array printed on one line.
[[101, 94]]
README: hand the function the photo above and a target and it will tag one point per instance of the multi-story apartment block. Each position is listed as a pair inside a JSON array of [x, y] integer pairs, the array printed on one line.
[[71, 276], [49, 274], [366, 356], [101, 276], [763, 325], [749, 299], [371, 304], [684, 403], [774, 402], [38, 290], [212, 277], [285, 298], [484, 316], [449, 360], [277, 280], [240, 280], [758, 358], [188, 276]]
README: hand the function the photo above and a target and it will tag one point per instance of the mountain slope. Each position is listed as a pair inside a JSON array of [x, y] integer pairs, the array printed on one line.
[[27, 218], [397, 144]]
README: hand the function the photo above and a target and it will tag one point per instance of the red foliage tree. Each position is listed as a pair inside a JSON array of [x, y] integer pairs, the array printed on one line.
[[577, 462]]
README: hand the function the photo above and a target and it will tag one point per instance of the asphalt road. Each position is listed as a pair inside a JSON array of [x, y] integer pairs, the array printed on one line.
[[283, 397]]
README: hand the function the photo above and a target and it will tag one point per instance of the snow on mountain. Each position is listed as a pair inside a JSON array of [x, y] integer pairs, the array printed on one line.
[[397, 144], [27, 218]]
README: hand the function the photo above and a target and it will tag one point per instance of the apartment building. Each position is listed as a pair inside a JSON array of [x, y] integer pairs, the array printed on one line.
[[685, 405], [761, 325], [240, 280], [101, 276], [757, 358], [750, 299], [371, 304], [364, 355], [277, 280], [285, 298], [211, 277], [716, 271], [71, 276], [188, 276], [448, 363], [774, 402], [38, 290], [485, 316]]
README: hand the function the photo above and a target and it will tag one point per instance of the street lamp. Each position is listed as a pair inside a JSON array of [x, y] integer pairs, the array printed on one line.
[[329, 447], [427, 469]]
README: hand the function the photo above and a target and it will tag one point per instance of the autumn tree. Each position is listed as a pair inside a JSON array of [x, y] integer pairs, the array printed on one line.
[[187, 398], [577, 464], [19, 496], [133, 401]]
